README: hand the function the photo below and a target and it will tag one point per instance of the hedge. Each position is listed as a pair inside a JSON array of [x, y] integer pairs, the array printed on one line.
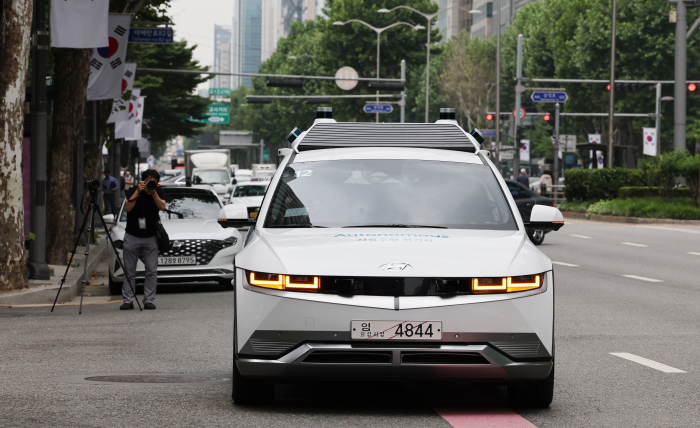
[[598, 184], [648, 192]]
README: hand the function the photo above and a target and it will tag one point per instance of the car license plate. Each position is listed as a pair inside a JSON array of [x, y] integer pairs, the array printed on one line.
[[185, 260], [396, 330]]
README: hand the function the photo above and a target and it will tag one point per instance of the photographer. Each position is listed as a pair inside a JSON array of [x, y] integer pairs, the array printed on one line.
[[144, 201]]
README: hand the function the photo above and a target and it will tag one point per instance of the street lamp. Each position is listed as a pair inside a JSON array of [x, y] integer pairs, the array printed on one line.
[[429, 17], [379, 32]]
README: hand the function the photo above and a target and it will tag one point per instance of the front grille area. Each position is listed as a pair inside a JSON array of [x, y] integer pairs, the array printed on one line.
[[203, 249], [442, 358], [519, 350], [383, 286], [345, 357], [270, 347]]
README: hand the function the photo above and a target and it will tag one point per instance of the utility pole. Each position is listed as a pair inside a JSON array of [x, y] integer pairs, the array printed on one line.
[[262, 149], [518, 76], [612, 90], [403, 92], [37, 254], [680, 76], [658, 117], [556, 144], [498, 85]]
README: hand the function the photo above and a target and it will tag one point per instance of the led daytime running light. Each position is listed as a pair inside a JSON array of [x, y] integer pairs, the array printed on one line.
[[286, 282], [507, 285], [277, 284]]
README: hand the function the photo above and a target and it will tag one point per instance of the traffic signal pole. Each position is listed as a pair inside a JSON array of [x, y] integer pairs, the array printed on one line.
[[611, 120], [518, 76], [680, 76], [556, 144]]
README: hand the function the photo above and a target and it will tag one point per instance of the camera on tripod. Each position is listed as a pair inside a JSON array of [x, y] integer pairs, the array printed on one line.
[[93, 186]]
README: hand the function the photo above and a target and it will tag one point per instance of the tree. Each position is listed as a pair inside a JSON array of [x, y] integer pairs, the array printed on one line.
[[169, 97], [15, 25]]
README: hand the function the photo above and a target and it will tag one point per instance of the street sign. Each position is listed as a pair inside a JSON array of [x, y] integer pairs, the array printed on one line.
[[223, 92], [216, 113], [567, 143], [346, 73], [549, 97], [522, 113], [151, 35], [488, 132], [378, 108]]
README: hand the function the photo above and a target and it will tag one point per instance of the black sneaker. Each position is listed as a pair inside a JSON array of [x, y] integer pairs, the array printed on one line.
[[126, 306], [149, 305]]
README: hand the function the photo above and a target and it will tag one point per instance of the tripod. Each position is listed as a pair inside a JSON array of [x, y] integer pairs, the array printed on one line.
[[92, 209]]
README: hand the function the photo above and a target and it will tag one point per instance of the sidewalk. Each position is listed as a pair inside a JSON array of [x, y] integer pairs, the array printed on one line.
[[44, 291]]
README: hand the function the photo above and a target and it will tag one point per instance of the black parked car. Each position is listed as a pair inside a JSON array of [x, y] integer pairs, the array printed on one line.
[[525, 199]]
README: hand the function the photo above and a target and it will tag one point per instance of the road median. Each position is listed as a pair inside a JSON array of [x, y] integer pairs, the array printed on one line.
[[629, 220]]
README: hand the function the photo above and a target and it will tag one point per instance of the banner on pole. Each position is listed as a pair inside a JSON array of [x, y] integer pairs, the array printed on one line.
[[107, 64], [138, 120], [525, 150], [595, 139], [79, 24], [649, 141], [125, 129], [120, 106]]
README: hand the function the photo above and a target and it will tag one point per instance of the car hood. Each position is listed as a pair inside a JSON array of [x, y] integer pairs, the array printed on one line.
[[187, 229], [250, 201], [361, 252]]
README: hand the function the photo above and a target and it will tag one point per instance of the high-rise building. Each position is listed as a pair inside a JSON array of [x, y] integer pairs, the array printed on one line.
[[485, 23], [482, 22], [278, 16], [247, 24], [222, 56], [454, 17]]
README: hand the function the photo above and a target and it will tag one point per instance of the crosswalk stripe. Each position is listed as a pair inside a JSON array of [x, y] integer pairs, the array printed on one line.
[[641, 278], [647, 362]]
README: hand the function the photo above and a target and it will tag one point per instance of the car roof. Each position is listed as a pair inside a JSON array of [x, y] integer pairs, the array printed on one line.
[[408, 153], [252, 183], [187, 190]]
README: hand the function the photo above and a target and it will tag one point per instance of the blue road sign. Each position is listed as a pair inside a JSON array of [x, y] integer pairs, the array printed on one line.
[[378, 108], [488, 133], [549, 97], [151, 35]]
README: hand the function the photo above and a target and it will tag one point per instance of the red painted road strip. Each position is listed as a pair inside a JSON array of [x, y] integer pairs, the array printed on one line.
[[487, 417]]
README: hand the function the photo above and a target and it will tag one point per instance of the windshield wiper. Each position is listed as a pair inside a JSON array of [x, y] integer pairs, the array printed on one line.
[[399, 225], [179, 215], [293, 226]]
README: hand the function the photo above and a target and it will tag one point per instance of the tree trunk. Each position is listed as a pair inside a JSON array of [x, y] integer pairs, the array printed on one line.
[[71, 77], [15, 27]]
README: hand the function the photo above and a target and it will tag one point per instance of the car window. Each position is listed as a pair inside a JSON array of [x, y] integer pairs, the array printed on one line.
[[210, 176], [517, 192], [525, 190], [347, 193], [249, 191], [187, 205]]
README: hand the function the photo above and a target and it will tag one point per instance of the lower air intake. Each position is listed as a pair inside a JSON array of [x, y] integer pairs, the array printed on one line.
[[340, 357], [462, 358]]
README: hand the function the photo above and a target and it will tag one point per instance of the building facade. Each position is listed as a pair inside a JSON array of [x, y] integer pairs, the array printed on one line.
[[222, 56], [486, 22], [247, 49], [454, 17], [278, 16]]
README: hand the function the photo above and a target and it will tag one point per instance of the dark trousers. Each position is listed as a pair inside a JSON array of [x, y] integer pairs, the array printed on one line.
[[146, 250], [110, 203]]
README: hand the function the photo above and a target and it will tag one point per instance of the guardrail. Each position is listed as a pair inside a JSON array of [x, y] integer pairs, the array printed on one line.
[[556, 194]]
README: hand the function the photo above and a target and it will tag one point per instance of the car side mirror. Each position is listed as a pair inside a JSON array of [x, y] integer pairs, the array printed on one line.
[[234, 215], [545, 218], [108, 218]]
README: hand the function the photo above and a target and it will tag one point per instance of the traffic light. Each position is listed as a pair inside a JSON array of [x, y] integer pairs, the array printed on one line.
[[547, 117], [692, 87], [608, 87], [489, 117]]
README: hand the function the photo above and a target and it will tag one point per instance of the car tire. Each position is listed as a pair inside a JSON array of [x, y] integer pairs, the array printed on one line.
[[226, 284], [538, 394], [536, 236], [115, 288], [249, 390]]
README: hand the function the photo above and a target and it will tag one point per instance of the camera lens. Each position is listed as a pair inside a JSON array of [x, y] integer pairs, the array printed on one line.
[[151, 185]]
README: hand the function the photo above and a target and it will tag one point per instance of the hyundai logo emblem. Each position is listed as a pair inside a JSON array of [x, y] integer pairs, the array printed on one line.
[[178, 244], [391, 267]]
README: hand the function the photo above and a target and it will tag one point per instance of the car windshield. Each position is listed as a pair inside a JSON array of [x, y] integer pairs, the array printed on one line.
[[210, 176], [385, 192], [186, 205], [249, 191]]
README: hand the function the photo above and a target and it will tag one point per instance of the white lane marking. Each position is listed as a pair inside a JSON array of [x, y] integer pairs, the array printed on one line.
[[672, 229], [646, 362], [633, 244], [581, 236], [564, 264], [695, 254], [641, 278]]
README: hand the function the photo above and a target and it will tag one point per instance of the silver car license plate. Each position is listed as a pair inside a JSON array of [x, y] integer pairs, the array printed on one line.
[[185, 260], [396, 330]]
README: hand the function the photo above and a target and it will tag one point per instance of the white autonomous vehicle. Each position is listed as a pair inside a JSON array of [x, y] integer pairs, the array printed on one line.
[[392, 251]]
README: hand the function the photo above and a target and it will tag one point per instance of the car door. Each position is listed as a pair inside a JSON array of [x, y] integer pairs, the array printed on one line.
[[523, 199]]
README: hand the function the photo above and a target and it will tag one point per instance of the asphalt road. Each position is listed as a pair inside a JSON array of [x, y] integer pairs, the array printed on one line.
[[599, 311]]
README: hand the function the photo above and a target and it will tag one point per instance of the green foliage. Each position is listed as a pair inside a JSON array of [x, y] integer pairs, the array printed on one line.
[[648, 192], [597, 184], [169, 97], [678, 208], [574, 206]]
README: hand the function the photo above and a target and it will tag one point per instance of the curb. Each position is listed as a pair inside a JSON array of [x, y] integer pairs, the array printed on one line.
[[71, 288], [629, 220]]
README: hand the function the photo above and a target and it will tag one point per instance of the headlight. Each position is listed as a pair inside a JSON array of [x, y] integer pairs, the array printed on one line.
[[509, 284], [284, 282], [225, 243]]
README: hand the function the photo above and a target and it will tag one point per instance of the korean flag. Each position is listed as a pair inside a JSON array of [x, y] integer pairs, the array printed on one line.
[[120, 106], [649, 141], [107, 64], [79, 24], [127, 128]]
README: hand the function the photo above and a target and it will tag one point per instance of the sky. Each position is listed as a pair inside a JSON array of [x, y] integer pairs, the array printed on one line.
[[194, 21]]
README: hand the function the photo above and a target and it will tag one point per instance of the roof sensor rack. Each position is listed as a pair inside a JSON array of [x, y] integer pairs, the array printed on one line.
[[293, 135], [447, 114], [324, 112]]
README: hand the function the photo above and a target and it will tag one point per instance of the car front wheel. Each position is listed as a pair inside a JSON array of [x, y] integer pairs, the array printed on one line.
[[248, 390], [538, 394], [536, 236]]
